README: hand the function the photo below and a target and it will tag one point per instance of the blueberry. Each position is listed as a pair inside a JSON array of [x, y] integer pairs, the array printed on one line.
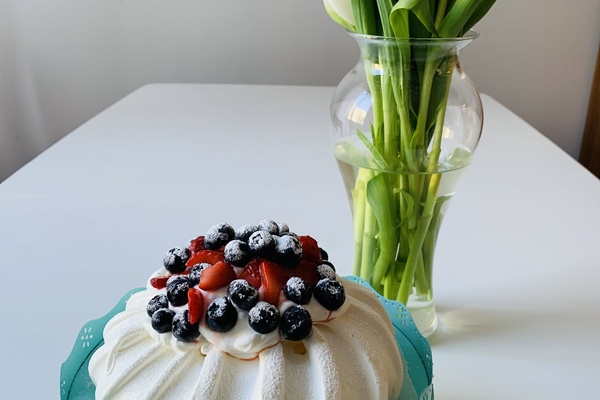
[[196, 273], [158, 301], [325, 271], [261, 243], [288, 250], [330, 294], [175, 259], [324, 255], [296, 323], [270, 226], [263, 317], [297, 290], [177, 288], [283, 228], [221, 315], [182, 329], [237, 253], [162, 320], [328, 263], [242, 294], [288, 234], [218, 236], [244, 232]]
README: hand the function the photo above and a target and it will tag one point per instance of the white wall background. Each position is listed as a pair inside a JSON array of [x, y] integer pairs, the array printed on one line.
[[63, 61]]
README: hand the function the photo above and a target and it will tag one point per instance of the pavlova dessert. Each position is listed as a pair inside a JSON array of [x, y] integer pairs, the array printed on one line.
[[256, 312]]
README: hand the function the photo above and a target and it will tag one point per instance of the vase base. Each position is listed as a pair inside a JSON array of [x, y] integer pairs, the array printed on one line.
[[424, 315]]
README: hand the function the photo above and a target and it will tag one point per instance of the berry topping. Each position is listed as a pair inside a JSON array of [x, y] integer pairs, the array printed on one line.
[[325, 271], [158, 301], [221, 315], [237, 253], [330, 294], [195, 305], [269, 226], [263, 317], [251, 273], [324, 255], [242, 294], [216, 276], [183, 330], [244, 232], [296, 323], [288, 234], [289, 250], [177, 288], [283, 228], [273, 279], [159, 282], [261, 243], [175, 259], [306, 270], [218, 236], [162, 320], [297, 290], [196, 245], [310, 249], [328, 263], [205, 256], [196, 273], [259, 265]]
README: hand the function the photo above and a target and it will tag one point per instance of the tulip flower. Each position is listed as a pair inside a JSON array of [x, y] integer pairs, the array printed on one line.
[[341, 12]]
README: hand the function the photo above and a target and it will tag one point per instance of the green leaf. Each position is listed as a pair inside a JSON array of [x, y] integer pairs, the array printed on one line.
[[379, 198], [365, 19], [407, 210], [462, 16], [374, 152], [400, 21], [479, 13], [385, 9]]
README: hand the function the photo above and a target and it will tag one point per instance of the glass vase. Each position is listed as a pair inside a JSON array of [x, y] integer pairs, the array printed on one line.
[[406, 122]]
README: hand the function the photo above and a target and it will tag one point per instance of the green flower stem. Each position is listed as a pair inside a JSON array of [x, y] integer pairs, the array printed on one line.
[[396, 214], [440, 13], [418, 240], [359, 201]]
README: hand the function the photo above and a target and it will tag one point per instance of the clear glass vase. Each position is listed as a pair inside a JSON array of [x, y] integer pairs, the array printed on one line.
[[406, 122]]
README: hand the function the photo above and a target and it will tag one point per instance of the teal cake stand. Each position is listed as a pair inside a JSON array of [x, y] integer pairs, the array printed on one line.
[[75, 382]]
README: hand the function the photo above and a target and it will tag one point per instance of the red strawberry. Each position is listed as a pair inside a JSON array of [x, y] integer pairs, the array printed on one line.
[[205, 256], [306, 270], [251, 273], [195, 305], [197, 245], [310, 249], [216, 276], [159, 282], [273, 278]]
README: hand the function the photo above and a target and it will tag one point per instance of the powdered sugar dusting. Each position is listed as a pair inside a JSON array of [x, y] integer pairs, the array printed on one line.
[[262, 310], [325, 271]]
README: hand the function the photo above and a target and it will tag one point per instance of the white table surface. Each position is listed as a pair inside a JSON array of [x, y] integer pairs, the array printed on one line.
[[517, 269]]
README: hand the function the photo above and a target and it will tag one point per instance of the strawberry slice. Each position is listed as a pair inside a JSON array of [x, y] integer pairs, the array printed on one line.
[[306, 270], [195, 305], [216, 276], [197, 245], [310, 249], [273, 278], [251, 273], [205, 256], [159, 282]]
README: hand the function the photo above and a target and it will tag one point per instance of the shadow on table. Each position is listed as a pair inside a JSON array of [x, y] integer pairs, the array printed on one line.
[[467, 324]]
